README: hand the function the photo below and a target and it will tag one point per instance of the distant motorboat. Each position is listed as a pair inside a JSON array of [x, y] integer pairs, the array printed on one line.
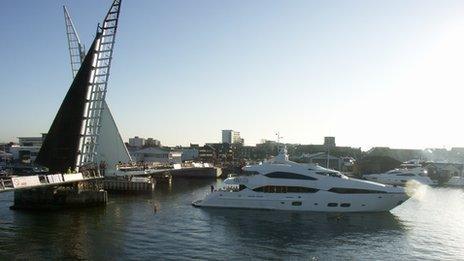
[[408, 171]]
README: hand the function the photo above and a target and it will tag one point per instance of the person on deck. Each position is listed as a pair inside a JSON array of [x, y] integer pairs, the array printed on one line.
[[102, 167]]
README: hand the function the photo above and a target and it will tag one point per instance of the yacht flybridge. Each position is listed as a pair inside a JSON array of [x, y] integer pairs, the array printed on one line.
[[281, 184]]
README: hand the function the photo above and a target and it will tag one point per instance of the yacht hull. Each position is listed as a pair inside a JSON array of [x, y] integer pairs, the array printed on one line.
[[322, 201]]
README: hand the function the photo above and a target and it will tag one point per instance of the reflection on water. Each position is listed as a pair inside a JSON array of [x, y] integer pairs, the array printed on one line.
[[427, 226], [278, 234]]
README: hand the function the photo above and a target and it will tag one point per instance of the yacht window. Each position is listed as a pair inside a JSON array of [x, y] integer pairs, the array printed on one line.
[[329, 173], [301, 190], [296, 203], [406, 175], [345, 205], [354, 191], [250, 172], [233, 188], [285, 189], [288, 175], [332, 204]]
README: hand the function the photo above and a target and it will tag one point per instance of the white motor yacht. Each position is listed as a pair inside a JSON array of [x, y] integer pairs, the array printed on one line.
[[408, 171], [280, 184]]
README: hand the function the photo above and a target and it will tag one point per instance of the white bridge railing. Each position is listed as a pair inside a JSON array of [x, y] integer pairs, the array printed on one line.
[[28, 182]]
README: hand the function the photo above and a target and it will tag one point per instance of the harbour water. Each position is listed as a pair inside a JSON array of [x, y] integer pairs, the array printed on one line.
[[429, 226]]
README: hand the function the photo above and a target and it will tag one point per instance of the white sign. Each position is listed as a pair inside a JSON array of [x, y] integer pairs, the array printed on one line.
[[28, 181], [73, 177], [55, 178], [197, 165]]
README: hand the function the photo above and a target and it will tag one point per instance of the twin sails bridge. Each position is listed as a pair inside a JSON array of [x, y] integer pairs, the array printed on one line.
[[83, 132]]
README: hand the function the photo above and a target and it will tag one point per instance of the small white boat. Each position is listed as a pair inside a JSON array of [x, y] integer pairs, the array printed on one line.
[[408, 171]]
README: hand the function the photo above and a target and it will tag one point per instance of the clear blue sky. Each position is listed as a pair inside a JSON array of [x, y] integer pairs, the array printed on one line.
[[371, 73]]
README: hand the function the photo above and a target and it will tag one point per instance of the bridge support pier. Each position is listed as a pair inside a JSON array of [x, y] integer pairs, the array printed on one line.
[[78, 195]]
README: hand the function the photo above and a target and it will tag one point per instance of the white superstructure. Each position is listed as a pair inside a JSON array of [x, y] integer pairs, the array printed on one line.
[[281, 184]]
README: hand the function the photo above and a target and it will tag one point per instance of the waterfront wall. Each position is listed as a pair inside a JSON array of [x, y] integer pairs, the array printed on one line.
[[59, 198], [115, 185]]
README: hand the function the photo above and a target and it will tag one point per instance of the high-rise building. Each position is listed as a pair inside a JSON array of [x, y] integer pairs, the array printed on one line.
[[136, 142], [150, 142], [231, 137]]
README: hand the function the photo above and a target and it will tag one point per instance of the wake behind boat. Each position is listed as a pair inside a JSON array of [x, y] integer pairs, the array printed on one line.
[[280, 184]]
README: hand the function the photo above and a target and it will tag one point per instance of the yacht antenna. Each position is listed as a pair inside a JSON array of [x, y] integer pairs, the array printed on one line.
[[280, 146], [278, 137]]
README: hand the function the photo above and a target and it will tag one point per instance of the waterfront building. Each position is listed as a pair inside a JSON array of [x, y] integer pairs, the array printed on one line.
[[157, 155], [150, 142], [397, 154], [189, 154], [247, 152], [136, 142], [443, 170], [27, 148], [231, 137], [321, 159], [5, 157], [207, 153], [329, 144], [224, 151]]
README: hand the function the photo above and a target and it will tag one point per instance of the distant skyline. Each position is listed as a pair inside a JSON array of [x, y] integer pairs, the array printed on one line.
[[370, 73]]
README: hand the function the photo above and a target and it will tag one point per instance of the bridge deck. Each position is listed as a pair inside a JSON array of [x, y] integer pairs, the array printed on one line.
[[37, 181], [140, 172]]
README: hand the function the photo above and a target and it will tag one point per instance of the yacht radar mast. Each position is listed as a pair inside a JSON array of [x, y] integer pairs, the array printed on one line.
[[282, 153]]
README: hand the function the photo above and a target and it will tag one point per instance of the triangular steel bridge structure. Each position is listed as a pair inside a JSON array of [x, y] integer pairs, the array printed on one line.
[[77, 131], [111, 148]]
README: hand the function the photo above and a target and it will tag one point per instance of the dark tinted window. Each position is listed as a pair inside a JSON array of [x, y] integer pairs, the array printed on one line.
[[345, 205], [406, 175], [301, 189], [296, 203], [354, 191], [285, 189], [287, 175], [332, 204], [248, 172]]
